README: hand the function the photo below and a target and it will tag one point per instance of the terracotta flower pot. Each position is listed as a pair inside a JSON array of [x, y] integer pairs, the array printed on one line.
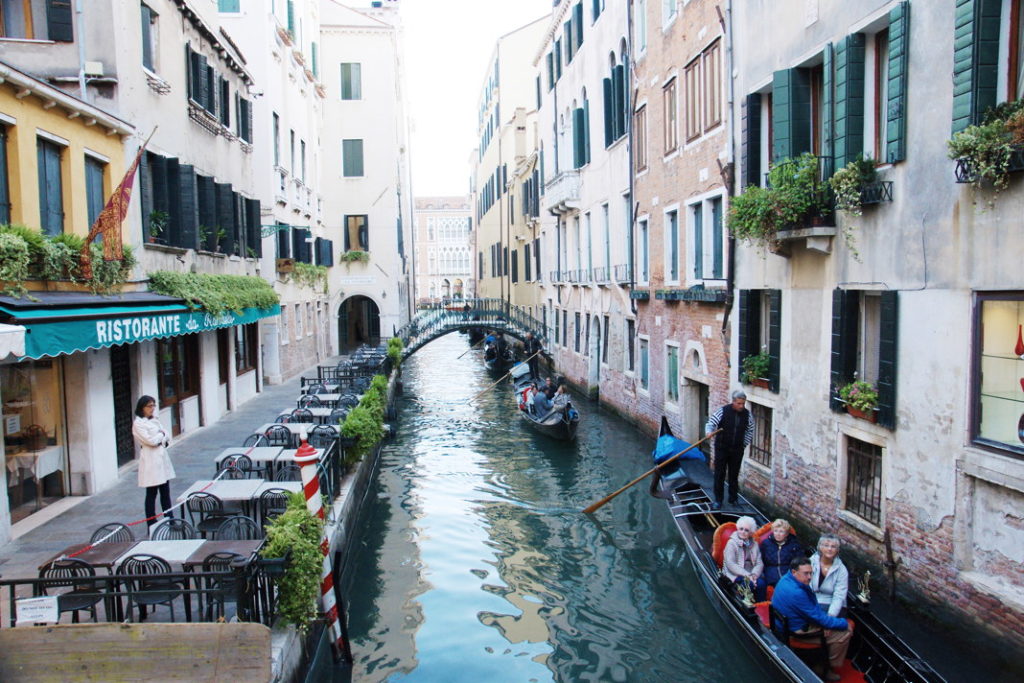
[[870, 415], [761, 382]]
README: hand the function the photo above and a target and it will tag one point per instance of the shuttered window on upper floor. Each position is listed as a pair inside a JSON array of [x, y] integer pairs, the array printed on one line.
[[37, 20], [351, 81]]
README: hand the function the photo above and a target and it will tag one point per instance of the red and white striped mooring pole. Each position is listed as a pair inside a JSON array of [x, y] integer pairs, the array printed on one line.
[[306, 457]]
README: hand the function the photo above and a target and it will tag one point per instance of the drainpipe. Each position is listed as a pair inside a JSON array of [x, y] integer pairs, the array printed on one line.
[[81, 50], [634, 206], [730, 278]]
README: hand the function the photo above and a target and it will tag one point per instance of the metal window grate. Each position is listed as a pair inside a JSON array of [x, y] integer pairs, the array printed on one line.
[[761, 446], [864, 480]]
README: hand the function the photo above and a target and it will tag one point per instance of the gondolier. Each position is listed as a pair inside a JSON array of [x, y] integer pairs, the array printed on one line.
[[737, 425], [532, 347]]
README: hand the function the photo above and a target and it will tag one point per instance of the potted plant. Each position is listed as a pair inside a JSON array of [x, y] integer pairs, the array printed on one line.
[[353, 255], [157, 222], [293, 545], [755, 369], [861, 399], [204, 236], [986, 152], [219, 239], [849, 182]]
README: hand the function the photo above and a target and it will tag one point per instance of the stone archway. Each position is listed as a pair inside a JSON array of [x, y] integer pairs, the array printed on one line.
[[358, 323]]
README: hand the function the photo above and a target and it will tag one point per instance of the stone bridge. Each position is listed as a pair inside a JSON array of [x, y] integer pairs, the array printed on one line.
[[492, 314]]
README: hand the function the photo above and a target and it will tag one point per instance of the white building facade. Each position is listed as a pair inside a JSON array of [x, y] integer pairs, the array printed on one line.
[[444, 249]]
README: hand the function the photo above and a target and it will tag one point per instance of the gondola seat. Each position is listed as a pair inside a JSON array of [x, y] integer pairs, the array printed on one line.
[[721, 537], [762, 611], [763, 532]]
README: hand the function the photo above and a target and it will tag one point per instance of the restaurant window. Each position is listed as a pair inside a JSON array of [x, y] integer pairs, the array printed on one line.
[[672, 373], [177, 361], [761, 446], [246, 347], [645, 364], [998, 365], [34, 439], [51, 187], [864, 480], [357, 234]]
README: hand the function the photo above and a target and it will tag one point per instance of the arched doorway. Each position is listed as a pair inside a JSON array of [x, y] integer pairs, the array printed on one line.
[[358, 323]]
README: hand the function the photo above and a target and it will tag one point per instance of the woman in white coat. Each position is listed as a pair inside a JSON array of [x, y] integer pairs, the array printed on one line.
[[830, 579], [155, 469]]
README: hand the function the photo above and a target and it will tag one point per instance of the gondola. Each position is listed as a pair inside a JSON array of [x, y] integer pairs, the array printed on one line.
[[476, 335], [562, 422], [876, 653], [495, 360]]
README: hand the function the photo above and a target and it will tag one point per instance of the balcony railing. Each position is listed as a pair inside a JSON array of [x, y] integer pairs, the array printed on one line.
[[966, 173], [621, 273], [819, 193], [602, 274], [876, 192], [562, 193]]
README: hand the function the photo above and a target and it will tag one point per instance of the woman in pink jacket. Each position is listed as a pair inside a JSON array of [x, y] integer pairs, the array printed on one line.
[[742, 558], [155, 469]]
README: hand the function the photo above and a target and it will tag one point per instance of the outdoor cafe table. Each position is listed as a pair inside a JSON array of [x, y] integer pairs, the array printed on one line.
[[228, 490], [320, 415], [258, 454], [245, 548], [102, 555], [331, 387], [295, 428], [326, 400]]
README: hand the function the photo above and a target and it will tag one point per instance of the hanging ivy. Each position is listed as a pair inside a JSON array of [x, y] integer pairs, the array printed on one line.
[[27, 254], [308, 275], [215, 293]]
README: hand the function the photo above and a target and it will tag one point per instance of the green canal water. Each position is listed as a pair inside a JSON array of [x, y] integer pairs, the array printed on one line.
[[474, 563]]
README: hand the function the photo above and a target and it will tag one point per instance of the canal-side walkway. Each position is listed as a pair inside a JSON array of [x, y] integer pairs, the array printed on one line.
[[192, 456]]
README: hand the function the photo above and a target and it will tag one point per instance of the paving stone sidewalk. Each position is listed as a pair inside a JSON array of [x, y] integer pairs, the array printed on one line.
[[192, 457]]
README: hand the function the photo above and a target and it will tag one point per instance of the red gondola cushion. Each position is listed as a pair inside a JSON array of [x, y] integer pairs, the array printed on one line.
[[722, 534]]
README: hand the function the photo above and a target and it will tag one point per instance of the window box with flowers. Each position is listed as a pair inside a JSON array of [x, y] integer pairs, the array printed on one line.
[[861, 400], [755, 369], [989, 152]]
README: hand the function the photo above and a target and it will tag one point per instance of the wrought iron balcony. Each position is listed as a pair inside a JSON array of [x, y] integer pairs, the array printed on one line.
[[966, 173], [876, 192], [601, 274], [555, 276], [562, 193], [819, 193], [622, 273]]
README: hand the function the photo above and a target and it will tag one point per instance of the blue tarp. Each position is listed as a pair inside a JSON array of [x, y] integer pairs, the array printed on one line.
[[667, 446]]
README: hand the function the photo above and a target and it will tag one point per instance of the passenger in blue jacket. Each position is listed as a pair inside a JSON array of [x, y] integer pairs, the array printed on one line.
[[795, 600], [777, 550]]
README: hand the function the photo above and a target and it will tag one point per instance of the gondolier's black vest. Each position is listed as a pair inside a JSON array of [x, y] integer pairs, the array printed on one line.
[[734, 427]]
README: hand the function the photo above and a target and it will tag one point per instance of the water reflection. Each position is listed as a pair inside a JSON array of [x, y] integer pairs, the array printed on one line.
[[476, 563]]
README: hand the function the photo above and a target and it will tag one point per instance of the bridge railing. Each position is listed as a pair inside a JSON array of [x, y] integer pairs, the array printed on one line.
[[490, 313]]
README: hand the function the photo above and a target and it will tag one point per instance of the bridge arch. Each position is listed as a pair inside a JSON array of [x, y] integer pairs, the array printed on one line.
[[438, 320]]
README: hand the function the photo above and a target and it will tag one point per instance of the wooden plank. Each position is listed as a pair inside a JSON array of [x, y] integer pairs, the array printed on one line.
[[135, 652]]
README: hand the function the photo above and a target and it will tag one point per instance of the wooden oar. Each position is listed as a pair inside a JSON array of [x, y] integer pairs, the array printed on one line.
[[470, 349], [494, 384], [606, 499]]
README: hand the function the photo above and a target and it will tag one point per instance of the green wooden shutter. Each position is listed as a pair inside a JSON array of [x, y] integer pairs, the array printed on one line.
[[145, 192], [849, 99], [774, 338], [255, 235], [899, 51], [58, 21], [750, 153], [747, 329], [717, 246], [577, 17], [316, 60], [618, 101], [698, 242], [791, 113], [203, 91], [975, 60], [207, 211], [608, 123], [586, 131], [225, 217], [51, 199], [569, 40], [172, 180], [291, 18], [888, 351], [188, 70], [189, 209], [558, 59], [845, 304], [551, 70], [828, 100]]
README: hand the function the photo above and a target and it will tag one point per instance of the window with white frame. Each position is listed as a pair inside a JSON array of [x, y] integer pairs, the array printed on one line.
[[672, 246], [640, 19], [670, 116], [707, 240], [640, 136], [703, 91], [671, 372], [669, 10]]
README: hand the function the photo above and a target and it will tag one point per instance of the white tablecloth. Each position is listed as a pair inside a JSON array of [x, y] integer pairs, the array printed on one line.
[[175, 552], [39, 463], [226, 489]]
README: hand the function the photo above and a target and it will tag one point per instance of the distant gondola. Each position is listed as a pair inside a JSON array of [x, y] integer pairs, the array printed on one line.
[[875, 654], [498, 356], [562, 422]]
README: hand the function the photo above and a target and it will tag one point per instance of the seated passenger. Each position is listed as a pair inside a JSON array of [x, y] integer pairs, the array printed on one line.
[[830, 580], [795, 600], [549, 388], [742, 559], [542, 405], [777, 550]]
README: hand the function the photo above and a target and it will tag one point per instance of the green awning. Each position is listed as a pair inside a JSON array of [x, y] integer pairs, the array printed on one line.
[[54, 329]]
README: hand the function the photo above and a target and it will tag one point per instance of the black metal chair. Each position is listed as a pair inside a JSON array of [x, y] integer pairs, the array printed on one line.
[[206, 512], [255, 441], [272, 502], [117, 532], [316, 389], [237, 466], [337, 415], [82, 596], [348, 400], [810, 646], [283, 419], [175, 529], [290, 472], [219, 588], [301, 416], [279, 435], [309, 401], [238, 528], [322, 436], [150, 589]]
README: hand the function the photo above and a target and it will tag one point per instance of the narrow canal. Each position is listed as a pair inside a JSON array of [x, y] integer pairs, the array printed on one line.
[[475, 564]]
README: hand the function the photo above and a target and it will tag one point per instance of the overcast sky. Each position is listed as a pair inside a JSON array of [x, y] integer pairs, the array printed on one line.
[[447, 46]]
